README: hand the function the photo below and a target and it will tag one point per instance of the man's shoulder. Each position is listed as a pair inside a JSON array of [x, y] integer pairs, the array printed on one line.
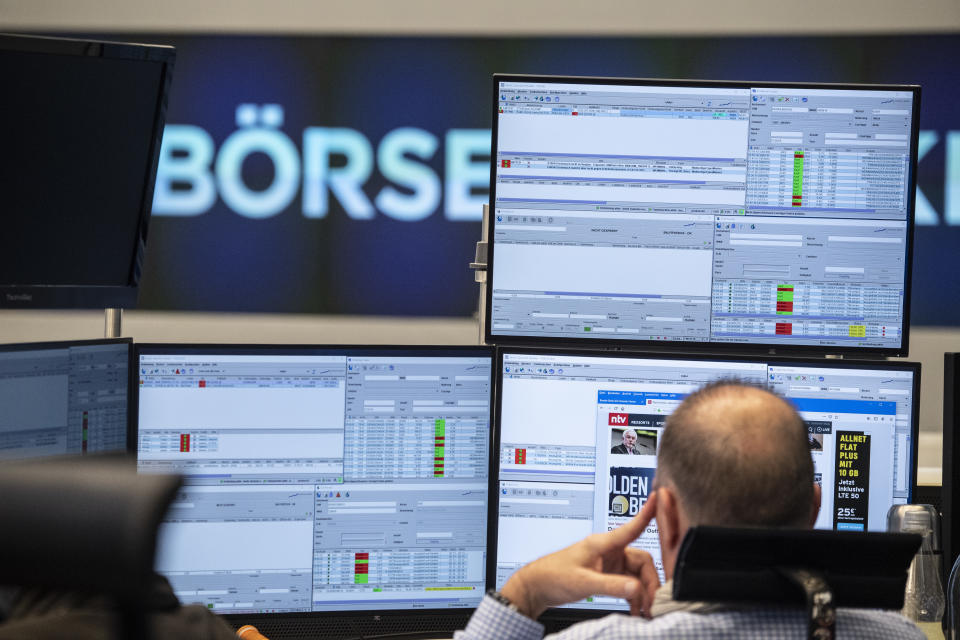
[[873, 623], [858, 624]]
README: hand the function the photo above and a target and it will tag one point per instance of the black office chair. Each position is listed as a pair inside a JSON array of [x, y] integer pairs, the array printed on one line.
[[823, 569], [86, 527]]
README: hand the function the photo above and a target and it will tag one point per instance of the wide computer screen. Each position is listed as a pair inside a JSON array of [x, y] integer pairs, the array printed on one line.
[[64, 398], [741, 214], [578, 436], [320, 479]]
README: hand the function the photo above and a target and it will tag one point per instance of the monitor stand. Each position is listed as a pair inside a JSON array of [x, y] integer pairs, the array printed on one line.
[[112, 322]]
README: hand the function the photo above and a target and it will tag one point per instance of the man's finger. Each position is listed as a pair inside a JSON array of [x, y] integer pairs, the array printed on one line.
[[631, 530], [640, 564], [607, 584]]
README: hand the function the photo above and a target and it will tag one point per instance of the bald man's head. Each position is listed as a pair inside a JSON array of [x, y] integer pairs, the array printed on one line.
[[737, 455]]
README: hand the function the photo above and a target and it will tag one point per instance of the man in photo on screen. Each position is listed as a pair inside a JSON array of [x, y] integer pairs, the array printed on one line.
[[730, 455], [631, 443], [628, 443]]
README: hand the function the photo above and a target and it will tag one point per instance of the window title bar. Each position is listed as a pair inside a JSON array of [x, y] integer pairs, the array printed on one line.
[[623, 88]]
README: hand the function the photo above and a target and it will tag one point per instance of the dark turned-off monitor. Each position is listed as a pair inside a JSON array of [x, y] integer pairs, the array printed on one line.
[[334, 492], [81, 130], [734, 217]]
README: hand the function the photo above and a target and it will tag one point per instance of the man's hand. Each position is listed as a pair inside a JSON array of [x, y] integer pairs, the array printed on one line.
[[600, 564]]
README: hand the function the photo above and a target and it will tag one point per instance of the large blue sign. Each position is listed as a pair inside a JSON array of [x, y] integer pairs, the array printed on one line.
[[347, 175]]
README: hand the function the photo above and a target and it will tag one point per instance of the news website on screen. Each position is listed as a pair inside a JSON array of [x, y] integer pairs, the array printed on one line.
[[580, 434]]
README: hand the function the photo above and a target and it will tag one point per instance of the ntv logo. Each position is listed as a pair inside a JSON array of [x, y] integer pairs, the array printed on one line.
[[187, 156]]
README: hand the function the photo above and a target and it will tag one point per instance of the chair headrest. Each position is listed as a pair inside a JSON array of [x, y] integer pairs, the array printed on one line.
[[723, 564], [87, 525]]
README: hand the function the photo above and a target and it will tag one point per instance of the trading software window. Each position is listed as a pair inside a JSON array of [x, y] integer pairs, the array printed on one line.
[[320, 482], [748, 215], [63, 400]]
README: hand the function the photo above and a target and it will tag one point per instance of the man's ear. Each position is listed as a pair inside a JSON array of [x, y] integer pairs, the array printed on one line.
[[815, 507], [668, 518]]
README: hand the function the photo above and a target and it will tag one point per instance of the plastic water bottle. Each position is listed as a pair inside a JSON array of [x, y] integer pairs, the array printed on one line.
[[923, 599], [953, 602]]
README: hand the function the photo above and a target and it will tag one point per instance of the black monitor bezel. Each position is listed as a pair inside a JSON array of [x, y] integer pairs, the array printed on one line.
[[82, 296], [560, 617], [321, 621], [14, 347], [950, 463], [712, 347]]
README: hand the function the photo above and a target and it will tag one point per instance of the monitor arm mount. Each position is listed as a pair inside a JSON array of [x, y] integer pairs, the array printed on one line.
[[479, 266]]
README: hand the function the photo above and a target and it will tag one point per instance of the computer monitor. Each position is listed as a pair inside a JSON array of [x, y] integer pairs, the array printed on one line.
[[745, 216], [564, 473], [64, 398], [81, 130], [323, 485], [949, 495]]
